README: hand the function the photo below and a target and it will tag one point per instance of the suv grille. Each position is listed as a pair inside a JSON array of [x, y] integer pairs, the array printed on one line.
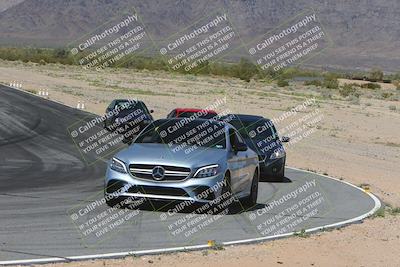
[[172, 173]]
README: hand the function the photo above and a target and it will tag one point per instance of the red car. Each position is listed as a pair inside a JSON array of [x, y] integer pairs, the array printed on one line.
[[187, 112]]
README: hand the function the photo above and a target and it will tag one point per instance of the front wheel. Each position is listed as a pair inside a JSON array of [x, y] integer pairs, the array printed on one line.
[[251, 200], [280, 177], [226, 188]]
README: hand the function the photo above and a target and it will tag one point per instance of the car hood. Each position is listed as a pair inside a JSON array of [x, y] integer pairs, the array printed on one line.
[[160, 154]]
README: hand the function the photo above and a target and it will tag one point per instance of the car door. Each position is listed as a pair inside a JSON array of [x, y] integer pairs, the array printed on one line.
[[247, 164], [238, 163]]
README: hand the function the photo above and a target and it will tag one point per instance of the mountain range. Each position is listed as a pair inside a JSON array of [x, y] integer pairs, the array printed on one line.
[[364, 33]]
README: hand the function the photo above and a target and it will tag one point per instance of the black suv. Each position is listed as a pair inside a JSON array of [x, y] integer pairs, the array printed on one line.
[[260, 135], [128, 117]]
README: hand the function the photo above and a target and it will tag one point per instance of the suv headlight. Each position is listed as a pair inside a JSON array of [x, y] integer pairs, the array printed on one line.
[[279, 153], [118, 165], [261, 158], [207, 171]]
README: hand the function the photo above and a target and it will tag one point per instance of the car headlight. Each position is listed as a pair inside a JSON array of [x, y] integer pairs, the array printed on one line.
[[118, 165], [261, 158], [279, 153], [207, 171]]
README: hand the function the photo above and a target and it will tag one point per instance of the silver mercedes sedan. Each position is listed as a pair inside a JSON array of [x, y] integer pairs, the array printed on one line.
[[184, 159]]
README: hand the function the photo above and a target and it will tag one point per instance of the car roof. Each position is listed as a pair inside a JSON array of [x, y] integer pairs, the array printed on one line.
[[196, 120], [128, 100], [195, 110], [244, 117]]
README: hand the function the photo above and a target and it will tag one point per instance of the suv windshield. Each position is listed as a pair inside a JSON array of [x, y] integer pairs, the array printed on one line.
[[257, 130], [188, 114], [127, 105], [202, 133]]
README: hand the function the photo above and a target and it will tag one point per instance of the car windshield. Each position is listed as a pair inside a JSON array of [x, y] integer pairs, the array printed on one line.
[[204, 115], [200, 133], [129, 105], [258, 130]]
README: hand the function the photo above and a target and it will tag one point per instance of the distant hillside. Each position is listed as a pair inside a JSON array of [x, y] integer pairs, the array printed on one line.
[[365, 33], [6, 4]]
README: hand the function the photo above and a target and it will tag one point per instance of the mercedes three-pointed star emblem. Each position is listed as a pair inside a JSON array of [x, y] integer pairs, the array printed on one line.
[[158, 173]]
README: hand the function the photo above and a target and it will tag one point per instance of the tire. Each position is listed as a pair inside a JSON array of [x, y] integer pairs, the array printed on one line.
[[112, 203], [225, 190], [251, 200], [280, 177]]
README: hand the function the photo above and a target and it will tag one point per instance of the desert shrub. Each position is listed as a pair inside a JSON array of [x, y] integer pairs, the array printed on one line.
[[376, 75], [386, 95], [326, 94], [317, 83], [354, 84], [221, 69], [292, 72], [392, 108], [282, 83], [397, 84], [353, 99], [244, 70], [347, 90], [371, 86], [36, 55], [331, 83], [394, 97]]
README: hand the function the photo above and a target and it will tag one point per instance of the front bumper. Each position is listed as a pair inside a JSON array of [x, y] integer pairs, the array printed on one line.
[[201, 190], [272, 168]]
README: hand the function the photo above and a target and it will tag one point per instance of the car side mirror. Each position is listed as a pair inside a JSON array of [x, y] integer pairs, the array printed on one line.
[[240, 147], [285, 139]]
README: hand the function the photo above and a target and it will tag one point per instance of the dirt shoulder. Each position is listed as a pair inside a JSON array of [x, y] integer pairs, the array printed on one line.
[[374, 243]]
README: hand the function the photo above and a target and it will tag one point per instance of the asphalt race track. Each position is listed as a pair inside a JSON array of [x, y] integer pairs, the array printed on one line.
[[44, 181]]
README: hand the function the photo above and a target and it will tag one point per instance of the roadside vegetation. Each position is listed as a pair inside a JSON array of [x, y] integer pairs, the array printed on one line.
[[244, 69], [326, 84], [387, 210], [302, 233]]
